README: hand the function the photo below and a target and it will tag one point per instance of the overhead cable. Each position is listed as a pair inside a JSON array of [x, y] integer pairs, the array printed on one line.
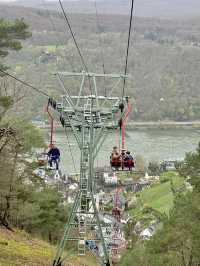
[[128, 46], [99, 36], [76, 44], [25, 83], [100, 44], [56, 32], [73, 36]]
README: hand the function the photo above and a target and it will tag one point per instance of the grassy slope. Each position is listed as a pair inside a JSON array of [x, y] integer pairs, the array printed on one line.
[[160, 196], [19, 248]]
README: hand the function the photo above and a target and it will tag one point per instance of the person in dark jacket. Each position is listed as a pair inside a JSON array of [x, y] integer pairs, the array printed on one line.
[[129, 160], [54, 156]]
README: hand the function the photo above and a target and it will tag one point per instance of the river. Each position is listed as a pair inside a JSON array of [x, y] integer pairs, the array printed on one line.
[[151, 144]]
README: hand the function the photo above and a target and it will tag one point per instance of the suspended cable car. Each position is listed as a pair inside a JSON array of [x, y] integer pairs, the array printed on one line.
[[122, 159], [51, 158], [53, 153]]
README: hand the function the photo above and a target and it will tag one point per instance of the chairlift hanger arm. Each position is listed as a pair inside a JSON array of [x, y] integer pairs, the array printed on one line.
[[94, 97], [51, 121], [65, 89], [72, 126]]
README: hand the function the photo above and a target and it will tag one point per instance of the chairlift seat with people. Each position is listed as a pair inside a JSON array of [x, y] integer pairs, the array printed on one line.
[[53, 157], [121, 161]]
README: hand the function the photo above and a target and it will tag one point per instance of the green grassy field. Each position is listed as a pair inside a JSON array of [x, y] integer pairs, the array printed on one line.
[[160, 196]]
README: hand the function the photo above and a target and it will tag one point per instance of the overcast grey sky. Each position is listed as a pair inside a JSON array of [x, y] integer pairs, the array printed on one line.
[[16, 0]]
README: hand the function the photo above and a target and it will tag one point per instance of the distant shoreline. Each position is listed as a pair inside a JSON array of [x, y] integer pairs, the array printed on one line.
[[164, 124], [143, 125]]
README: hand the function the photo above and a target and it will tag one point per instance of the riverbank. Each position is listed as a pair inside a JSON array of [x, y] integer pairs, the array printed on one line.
[[138, 125], [163, 124]]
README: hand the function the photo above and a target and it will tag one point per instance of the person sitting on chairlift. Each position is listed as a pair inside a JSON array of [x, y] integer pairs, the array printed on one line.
[[115, 157], [115, 154], [54, 156], [128, 154], [129, 159]]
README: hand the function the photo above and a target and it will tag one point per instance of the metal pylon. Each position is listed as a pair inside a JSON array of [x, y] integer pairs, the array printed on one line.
[[89, 117]]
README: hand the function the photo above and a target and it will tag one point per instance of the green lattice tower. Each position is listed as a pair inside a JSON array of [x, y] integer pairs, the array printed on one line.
[[90, 117]]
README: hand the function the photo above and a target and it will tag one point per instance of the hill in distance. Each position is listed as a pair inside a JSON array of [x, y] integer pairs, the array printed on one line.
[[143, 8], [164, 57]]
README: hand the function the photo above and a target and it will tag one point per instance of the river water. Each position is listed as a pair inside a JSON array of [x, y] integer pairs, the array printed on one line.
[[151, 144]]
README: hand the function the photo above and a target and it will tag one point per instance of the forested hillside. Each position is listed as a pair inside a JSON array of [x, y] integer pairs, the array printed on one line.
[[144, 8], [164, 59], [177, 242]]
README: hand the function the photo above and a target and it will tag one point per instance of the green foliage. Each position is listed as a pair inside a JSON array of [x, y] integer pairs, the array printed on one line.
[[191, 168], [135, 257], [158, 74], [108, 207], [10, 34], [153, 168], [43, 213], [17, 138], [168, 176], [6, 102], [26, 201], [178, 241], [29, 136]]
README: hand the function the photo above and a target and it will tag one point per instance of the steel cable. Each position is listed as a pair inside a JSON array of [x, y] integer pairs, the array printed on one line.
[[127, 50]]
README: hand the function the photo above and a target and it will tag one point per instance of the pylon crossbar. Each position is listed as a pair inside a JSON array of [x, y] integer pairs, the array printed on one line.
[[91, 75]]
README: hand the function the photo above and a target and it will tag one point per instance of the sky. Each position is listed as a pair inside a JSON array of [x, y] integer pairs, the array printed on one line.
[[16, 0]]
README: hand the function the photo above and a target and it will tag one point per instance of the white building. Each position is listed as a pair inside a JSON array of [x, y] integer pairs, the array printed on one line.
[[112, 180]]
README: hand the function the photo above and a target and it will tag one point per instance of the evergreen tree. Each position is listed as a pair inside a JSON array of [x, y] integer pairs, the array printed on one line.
[[17, 138], [10, 35]]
